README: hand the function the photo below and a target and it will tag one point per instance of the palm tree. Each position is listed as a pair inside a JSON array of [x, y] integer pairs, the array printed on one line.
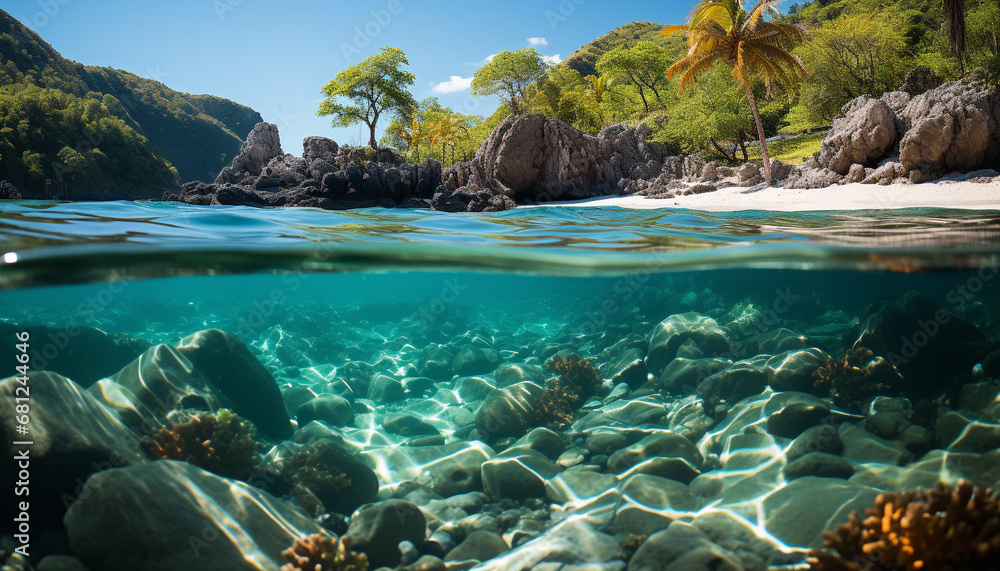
[[954, 13], [722, 32], [413, 137]]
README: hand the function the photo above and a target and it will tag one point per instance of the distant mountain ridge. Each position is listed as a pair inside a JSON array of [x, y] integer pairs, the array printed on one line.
[[197, 134]]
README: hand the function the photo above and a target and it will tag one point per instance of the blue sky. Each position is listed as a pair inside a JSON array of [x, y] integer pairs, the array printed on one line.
[[275, 57]]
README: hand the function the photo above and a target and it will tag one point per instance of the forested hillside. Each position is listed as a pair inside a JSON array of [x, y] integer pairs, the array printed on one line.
[[68, 127]]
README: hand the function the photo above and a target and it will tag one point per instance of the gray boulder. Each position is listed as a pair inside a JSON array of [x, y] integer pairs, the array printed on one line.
[[863, 133], [953, 127], [262, 145]]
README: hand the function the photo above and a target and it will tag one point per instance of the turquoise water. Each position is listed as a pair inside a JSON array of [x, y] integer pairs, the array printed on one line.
[[424, 348]]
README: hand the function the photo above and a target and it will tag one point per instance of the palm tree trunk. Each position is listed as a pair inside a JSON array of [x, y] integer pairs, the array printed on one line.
[[760, 134]]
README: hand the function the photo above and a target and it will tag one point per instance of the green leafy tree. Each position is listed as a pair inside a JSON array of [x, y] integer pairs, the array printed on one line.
[[375, 87], [722, 32], [644, 65], [508, 75]]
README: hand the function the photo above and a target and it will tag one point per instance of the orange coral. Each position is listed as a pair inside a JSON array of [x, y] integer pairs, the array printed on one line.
[[222, 443], [318, 552], [943, 529], [857, 379]]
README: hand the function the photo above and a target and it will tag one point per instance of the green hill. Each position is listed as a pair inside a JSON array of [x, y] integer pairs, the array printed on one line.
[[197, 135], [585, 59]]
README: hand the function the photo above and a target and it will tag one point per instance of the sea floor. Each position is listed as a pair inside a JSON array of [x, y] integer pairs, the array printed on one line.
[[695, 420]]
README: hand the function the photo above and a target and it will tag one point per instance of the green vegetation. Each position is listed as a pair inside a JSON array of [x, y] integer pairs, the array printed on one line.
[[584, 60], [378, 85], [508, 75], [721, 32], [432, 131], [158, 127], [791, 151]]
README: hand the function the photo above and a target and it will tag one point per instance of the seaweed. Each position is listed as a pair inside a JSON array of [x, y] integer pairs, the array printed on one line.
[[222, 443], [940, 529], [578, 379], [315, 477], [858, 378], [319, 552]]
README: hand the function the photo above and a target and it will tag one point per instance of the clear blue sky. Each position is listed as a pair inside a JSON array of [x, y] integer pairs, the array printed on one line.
[[275, 57]]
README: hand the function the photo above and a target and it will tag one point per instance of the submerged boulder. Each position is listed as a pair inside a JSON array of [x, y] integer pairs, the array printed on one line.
[[170, 515]]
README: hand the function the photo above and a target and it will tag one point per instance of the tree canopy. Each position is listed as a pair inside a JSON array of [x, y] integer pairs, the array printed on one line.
[[364, 92], [508, 75], [643, 65]]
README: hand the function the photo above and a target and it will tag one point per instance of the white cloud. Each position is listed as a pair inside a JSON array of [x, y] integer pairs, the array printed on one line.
[[454, 85], [538, 41], [488, 59], [552, 60]]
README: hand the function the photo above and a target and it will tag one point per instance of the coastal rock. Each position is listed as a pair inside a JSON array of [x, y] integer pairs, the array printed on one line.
[[8, 191], [863, 133], [920, 80], [378, 529], [262, 144], [683, 546], [517, 475], [951, 128], [812, 177], [480, 545], [799, 513], [320, 148], [574, 544], [73, 436], [138, 517]]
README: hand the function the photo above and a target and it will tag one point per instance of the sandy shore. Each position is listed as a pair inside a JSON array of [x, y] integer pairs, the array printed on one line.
[[939, 194]]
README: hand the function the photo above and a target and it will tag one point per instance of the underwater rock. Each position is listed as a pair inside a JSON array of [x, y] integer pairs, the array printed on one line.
[[405, 424], [457, 468], [962, 433], [518, 475], [472, 360], [745, 378], [798, 513], [510, 411], [794, 370], [541, 440], [60, 563], [675, 330], [864, 447], [570, 545], [480, 545], [83, 354], [471, 389], [650, 503], [208, 370], [682, 376], [929, 345], [171, 515], [73, 436], [668, 455], [683, 546], [819, 464], [797, 415], [781, 340], [823, 438], [385, 389], [324, 476], [378, 529], [512, 373], [629, 368], [606, 443], [582, 490], [331, 409]]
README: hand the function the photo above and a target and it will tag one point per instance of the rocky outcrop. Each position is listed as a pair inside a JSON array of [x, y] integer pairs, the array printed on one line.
[[327, 175], [863, 133], [530, 158], [914, 135], [8, 191], [951, 128], [921, 79]]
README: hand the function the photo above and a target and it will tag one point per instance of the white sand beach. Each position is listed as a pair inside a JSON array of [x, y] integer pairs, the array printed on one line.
[[938, 194]]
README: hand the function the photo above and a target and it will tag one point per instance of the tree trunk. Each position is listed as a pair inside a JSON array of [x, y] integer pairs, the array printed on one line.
[[760, 134], [742, 135], [645, 103], [718, 147], [371, 140]]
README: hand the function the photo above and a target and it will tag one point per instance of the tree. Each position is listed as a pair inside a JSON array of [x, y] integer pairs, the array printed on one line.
[[508, 75], [374, 87], [723, 32], [644, 65], [954, 14]]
